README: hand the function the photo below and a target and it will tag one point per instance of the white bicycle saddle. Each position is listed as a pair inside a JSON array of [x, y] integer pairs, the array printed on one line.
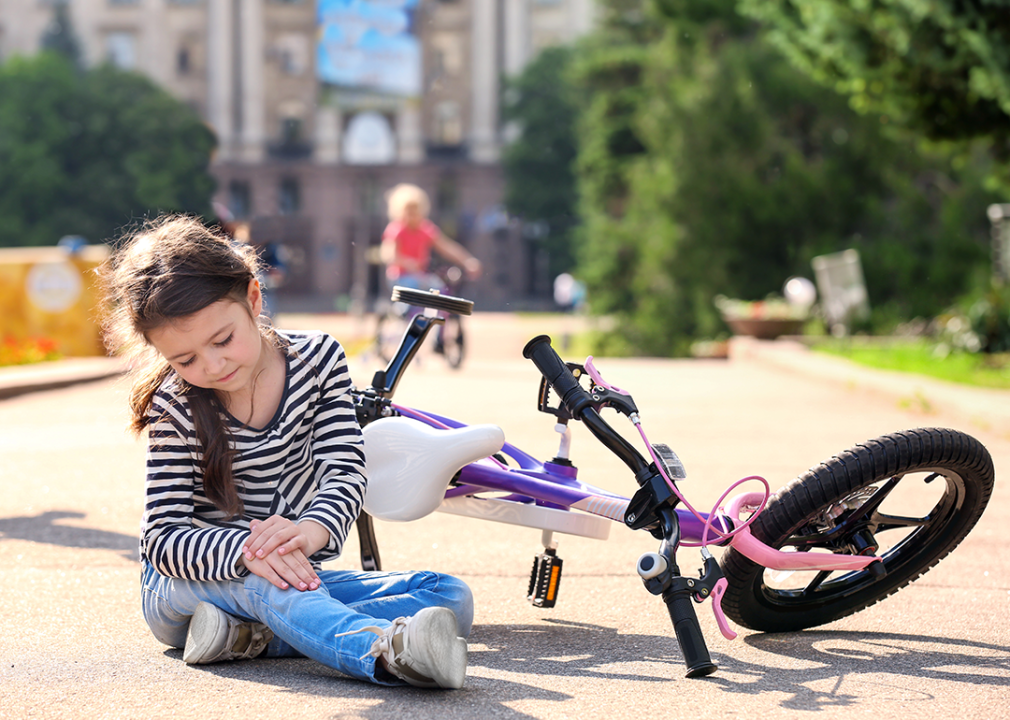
[[410, 464]]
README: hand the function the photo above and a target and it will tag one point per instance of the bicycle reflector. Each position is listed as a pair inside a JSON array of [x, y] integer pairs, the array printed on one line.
[[545, 579]]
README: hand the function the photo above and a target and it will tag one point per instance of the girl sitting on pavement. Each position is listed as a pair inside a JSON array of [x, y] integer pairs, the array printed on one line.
[[255, 473]]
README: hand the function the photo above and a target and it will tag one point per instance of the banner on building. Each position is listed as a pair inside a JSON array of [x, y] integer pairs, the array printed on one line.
[[370, 45]]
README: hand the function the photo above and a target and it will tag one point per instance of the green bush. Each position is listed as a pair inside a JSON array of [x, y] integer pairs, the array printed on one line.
[[989, 316], [710, 165]]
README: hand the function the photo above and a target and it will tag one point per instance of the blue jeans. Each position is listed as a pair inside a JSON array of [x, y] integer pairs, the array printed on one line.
[[306, 623]]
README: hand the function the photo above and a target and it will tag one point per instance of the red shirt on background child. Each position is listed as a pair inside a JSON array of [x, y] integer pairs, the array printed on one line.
[[411, 243]]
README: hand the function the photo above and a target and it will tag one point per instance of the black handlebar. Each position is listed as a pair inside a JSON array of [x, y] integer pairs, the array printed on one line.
[[685, 625], [677, 591], [580, 403], [551, 366]]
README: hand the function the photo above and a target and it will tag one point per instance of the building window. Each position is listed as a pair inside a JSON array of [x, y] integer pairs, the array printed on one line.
[[448, 53], [448, 123], [289, 64], [121, 50], [183, 61], [292, 52], [369, 140], [289, 198], [291, 130], [239, 199]]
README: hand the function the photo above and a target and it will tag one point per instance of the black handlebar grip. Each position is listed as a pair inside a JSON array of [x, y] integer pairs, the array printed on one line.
[[692, 642], [552, 367]]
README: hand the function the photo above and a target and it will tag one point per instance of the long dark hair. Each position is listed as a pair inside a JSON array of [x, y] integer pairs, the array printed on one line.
[[169, 269]]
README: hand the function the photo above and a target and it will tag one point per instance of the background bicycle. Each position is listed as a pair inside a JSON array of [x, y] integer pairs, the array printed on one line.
[[393, 318]]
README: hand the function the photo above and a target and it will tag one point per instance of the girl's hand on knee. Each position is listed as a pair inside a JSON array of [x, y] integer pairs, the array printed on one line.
[[271, 534], [284, 546], [280, 535], [292, 570]]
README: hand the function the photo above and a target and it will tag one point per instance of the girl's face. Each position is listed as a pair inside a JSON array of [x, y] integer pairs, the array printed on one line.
[[219, 347], [412, 215]]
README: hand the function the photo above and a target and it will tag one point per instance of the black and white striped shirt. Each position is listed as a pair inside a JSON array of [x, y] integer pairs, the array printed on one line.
[[307, 463]]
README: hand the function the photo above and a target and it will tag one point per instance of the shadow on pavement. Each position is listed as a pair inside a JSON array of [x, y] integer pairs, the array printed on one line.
[[45, 528], [486, 697], [852, 657], [837, 669], [563, 648], [557, 649]]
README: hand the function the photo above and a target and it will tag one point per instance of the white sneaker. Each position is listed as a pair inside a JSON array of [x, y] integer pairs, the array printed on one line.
[[215, 636], [423, 650]]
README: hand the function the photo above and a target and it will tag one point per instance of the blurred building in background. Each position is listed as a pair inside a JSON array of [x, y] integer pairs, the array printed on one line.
[[320, 106]]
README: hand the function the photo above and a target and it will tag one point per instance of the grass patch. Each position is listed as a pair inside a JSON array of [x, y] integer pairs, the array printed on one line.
[[923, 357]]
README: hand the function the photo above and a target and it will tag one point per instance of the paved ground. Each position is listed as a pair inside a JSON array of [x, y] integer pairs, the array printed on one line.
[[74, 645]]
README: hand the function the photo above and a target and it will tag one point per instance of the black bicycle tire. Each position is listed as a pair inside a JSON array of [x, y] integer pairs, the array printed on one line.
[[453, 342], [435, 301], [961, 460]]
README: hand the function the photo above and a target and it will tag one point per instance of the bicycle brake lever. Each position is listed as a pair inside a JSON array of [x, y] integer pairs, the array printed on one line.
[[712, 586], [598, 379], [603, 393], [720, 618], [544, 396]]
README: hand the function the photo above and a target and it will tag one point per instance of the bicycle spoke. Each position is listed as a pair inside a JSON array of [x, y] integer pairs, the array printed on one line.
[[891, 522], [873, 502], [812, 586]]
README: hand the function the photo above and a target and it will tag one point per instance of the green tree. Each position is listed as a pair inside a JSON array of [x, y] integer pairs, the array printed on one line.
[[88, 152], [609, 70], [538, 164], [938, 67], [746, 170]]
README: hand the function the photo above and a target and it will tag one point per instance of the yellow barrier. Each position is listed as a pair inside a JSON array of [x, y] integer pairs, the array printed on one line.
[[50, 293]]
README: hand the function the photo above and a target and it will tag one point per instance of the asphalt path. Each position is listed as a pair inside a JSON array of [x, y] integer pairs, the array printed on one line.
[[74, 644]]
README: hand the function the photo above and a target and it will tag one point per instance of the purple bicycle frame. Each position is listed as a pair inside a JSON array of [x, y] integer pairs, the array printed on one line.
[[547, 484]]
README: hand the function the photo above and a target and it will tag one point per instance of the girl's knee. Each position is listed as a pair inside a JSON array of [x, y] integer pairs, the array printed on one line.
[[459, 599], [174, 637], [168, 627]]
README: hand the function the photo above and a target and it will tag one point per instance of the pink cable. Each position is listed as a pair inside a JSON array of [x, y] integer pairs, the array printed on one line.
[[708, 521]]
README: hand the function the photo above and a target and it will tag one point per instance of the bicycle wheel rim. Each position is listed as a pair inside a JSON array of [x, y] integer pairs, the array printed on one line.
[[825, 508], [900, 559]]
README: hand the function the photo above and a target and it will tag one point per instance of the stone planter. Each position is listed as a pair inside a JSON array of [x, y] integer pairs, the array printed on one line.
[[765, 329]]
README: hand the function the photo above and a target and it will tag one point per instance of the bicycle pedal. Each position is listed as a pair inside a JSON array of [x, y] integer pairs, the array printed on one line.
[[545, 579]]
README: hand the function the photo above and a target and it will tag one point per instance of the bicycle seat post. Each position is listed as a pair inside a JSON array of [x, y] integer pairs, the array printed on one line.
[[565, 446]]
